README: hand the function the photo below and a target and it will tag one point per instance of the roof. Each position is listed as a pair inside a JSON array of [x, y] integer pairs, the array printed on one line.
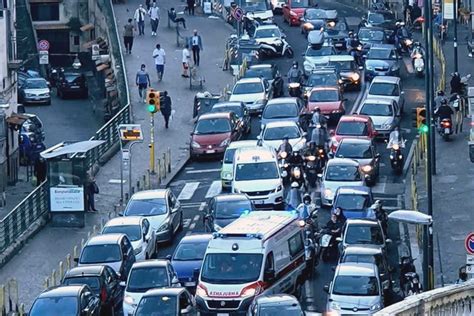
[[104, 239], [70, 148], [124, 220], [280, 124], [170, 291], [355, 118], [387, 79], [149, 194], [262, 223], [341, 58], [282, 100], [210, 116], [195, 238], [247, 154], [372, 28], [267, 27], [359, 141], [342, 161], [359, 221], [242, 143], [92, 270], [362, 250], [249, 80], [377, 100], [231, 197], [279, 299], [351, 268], [63, 290], [150, 263], [353, 190]]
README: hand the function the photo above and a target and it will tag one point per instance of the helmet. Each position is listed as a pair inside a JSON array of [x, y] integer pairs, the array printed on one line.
[[295, 64], [440, 93], [444, 102], [307, 198], [317, 109]]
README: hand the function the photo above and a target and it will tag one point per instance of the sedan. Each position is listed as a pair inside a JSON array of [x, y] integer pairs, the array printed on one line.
[[337, 32], [355, 126], [381, 60], [316, 19], [282, 109], [223, 209], [270, 73], [381, 18], [273, 134], [71, 81], [385, 114], [355, 201], [316, 56], [239, 109], [67, 300], [363, 151], [34, 91], [213, 132], [322, 77], [387, 87], [369, 36], [162, 210], [169, 302], [254, 92], [339, 172], [329, 100], [138, 231]]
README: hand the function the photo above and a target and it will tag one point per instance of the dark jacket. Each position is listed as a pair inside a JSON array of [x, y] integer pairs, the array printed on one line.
[[444, 112], [165, 106], [456, 85]]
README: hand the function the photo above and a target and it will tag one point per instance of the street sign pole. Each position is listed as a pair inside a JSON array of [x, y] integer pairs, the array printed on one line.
[[133, 134], [152, 143]]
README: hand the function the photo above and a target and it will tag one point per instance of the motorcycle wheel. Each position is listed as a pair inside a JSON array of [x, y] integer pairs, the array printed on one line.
[[289, 52], [446, 137]]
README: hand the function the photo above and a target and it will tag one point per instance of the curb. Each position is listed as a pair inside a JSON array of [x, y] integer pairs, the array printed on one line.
[[177, 169]]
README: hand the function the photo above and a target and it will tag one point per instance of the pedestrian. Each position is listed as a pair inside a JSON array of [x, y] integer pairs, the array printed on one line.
[[40, 169], [154, 13], [196, 44], [160, 60], [139, 17], [165, 107], [174, 17], [191, 4], [186, 59], [142, 80], [91, 190], [128, 33], [147, 3]]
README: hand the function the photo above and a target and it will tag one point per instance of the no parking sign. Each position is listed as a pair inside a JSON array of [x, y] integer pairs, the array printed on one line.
[[469, 243]]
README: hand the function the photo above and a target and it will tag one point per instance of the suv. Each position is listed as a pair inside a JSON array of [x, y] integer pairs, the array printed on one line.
[[71, 81]]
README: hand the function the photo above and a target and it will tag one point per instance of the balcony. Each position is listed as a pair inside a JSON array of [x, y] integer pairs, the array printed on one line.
[[15, 64]]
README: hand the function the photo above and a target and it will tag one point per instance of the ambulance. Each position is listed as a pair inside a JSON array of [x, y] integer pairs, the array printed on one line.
[[262, 252]]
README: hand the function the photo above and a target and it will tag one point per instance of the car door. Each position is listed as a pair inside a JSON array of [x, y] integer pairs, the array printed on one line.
[[175, 210], [112, 284], [149, 236]]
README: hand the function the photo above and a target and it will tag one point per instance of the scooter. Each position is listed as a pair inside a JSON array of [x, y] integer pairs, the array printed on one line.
[[329, 250], [445, 128], [418, 61], [284, 166], [294, 90], [312, 170], [396, 158], [412, 284], [381, 215], [278, 48]]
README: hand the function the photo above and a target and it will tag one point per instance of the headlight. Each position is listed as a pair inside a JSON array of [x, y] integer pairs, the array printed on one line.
[[400, 157], [279, 188], [261, 101], [227, 175], [334, 306], [194, 144], [164, 227], [28, 95], [284, 173], [217, 227], [391, 156], [224, 143], [293, 85], [328, 193], [248, 291], [311, 158], [283, 154], [308, 26], [367, 168], [375, 307], [369, 67], [359, 48], [129, 300], [355, 77], [297, 173], [138, 250]]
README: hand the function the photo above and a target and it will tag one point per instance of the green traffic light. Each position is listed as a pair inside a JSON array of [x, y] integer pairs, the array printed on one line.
[[423, 129], [151, 108]]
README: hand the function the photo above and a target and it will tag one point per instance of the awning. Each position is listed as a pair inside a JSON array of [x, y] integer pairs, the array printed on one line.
[[64, 149], [16, 119]]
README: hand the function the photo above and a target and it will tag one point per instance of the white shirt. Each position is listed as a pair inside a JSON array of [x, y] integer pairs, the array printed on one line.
[[186, 55], [137, 15], [195, 40], [154, 13], [159, 55]]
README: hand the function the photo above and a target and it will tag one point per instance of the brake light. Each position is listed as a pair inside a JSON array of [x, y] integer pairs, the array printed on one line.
[[103, 295], [201, 290], [446, 124], [251, 290]]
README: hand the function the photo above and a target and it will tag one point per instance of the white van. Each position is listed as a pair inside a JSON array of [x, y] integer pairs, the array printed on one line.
[[259, 253], [257, 175]]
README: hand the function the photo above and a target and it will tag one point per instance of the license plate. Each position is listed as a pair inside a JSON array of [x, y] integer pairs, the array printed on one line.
[[189, 283], [259, 201], [74, 87], [210, 151], [222, 314], [446, 130], [338, 45]]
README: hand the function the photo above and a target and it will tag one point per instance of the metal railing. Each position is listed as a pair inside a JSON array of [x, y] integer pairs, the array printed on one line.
[[439, 54]]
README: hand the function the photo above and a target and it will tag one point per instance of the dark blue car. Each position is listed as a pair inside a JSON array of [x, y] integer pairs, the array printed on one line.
[[355, 201], [187, 258]]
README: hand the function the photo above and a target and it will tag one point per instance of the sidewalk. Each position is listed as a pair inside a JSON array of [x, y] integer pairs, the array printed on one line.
[[43, 253]]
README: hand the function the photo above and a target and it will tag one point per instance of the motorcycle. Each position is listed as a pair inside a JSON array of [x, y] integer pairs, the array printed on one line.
[[284, 166], [381, 215], [279, 47], [293, 199], [445, 128], [418, 61], [328, 243], [294, 90], [412, 284], [310, 255], [357, 53], [396, 158], [313, 167], [297, 176]]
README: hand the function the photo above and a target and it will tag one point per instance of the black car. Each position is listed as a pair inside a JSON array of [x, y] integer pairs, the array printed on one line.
[[66, 300], [337, 32], [223, 209], [71, 82], [381, 18], [322, 77], [239, 109], [103, 282], [269, 72]]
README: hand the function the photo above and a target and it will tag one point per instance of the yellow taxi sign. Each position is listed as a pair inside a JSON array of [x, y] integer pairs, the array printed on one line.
[[130, 132]]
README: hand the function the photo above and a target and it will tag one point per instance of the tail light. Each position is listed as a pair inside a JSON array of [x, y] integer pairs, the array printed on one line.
[[446, 124], [103, 295]]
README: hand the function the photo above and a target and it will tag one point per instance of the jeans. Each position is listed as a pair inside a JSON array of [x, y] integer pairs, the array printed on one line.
[[154, 25], [141, 28], [196, 51], [160, 69]]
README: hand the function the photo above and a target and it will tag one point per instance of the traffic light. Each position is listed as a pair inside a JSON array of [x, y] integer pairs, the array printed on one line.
[[153, 100], [419, 117]]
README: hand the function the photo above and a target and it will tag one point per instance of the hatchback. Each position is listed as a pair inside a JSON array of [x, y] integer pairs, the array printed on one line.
[[270, 73], [273, 134], [293, 10], [169, 302], [363, 232], [355, 126], [223, 209], [34, 91], [385, 114], [355, 201], [381, 60], [227, 173], [387, 87], [329, 100], [239, 109], [282, 109], [71, 82], [254, 92]]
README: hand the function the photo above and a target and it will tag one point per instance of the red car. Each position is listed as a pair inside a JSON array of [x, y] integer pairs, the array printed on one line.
[[213, 132], [329, 100], [353, 126], [293, 10]]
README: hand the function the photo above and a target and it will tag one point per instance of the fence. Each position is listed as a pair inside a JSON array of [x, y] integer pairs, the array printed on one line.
[[439, 54]]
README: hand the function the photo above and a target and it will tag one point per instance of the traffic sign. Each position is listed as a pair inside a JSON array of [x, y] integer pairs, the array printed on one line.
[[238, 13], [130, 132], [469, 243], [95, 51], [43, 57], [43, 45]]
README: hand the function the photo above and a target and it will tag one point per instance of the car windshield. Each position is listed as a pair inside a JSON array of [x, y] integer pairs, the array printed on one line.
[[300, 3], [372, 109], [380, 54], [231, 209], [315, 14], [100, 254], [371, 35], [343, 173], [283, 110], [324, 96], [36, 84], [237, 109], [146, 207], [92, 281], [248, 88], [343, 65], [259, 72], [384, 88], [352, 201], [323, 51], [378, 18], [354, 285], [231, 268], [363, 234], [254, 5], [265, 33], [212, 126], [72, 77], [256, 171], [55, 306], [133, 232], [336, 26], [190, 251], [356, 151], [280, 310], [229, 155], [352, 128], [322, 79], [279, 133], [157, 305], [143, 279]]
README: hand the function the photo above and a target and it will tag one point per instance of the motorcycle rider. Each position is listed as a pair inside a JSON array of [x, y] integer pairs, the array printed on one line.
[[334, 226], [456, 84], [296, 159], [395, 137], [319, 137], [310, 149], [318, 118], [295, 74], [444, 111], [440, 96], [285, 147], [293, 198], [401, 33], [353, 44], [417, 49], [306, 208], [462, 275], [340, 215]]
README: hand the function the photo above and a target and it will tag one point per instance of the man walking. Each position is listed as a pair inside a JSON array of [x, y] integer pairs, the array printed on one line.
[[196, 44], [191, 4], [143, 81], [160, 56], [139, 17], [91, 190], [154, 13], [165, 107], [128, 32]]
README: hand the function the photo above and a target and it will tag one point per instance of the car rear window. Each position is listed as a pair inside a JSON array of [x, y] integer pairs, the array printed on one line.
[[352, 128], [92, 281], [100, 254]]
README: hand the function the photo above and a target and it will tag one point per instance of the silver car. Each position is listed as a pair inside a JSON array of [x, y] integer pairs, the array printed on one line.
[[385, 114], [282, 109], [34, 91], [387, 87]]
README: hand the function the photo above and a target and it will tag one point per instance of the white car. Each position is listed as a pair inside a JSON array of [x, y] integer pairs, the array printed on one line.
[[254, 92], [339, 172], [268, 33], [228, 161], [274, 133], [138, 231], [162, 210], [385, 114], [387, 87], [316, 57]]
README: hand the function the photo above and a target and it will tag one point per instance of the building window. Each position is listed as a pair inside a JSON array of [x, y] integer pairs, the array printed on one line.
[[76, 40], [44, 11]]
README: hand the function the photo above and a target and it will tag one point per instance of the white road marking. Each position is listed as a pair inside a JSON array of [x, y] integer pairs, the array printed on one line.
[[116, 181], [379, 187], [189, 168], [203, 171], [214, 189], [186, 222], [201, 207], [408, 65], [193, 225], [188, 191]]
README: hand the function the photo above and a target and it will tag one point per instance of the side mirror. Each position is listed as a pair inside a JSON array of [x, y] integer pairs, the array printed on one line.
[[120, 214], [331, 155], [320, 175], [269, 275], [123, 284], [304, 134], [175, 281], [326, 288], [168, 257], [259, 137], [76, 260], [185, 311], [388, 241]]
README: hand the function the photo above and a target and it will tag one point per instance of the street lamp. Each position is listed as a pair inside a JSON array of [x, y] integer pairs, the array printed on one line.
[[418, 218]]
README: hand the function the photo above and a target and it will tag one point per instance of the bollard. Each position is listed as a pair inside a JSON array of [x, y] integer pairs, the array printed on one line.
[[2, 300], [169, 160], [138, 185], [88, 235], [61, 269], [13, 292], [159, 170], [22, 309], [133, 189], [144, 182], [94, 229], [164, 164], [74, 252], [53, 278], [68, 261]]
